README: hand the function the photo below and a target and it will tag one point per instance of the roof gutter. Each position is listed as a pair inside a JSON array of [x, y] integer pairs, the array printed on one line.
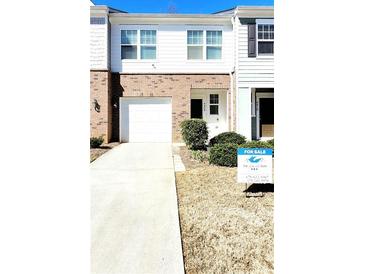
[[255, 12], [142, 18]]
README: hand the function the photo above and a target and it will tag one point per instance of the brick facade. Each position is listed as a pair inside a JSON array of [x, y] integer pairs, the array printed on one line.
[[100, 118], [177, 86]]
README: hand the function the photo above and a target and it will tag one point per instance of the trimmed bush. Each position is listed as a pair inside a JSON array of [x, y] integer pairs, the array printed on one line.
[[199, 155], [95, 142], [271, 142], [226, 154], [228, 138], [223, 155], [258, 144], [194, 133]]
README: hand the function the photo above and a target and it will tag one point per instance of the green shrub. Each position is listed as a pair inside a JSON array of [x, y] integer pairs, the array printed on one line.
[[194, 133], [223, 155], [228, 138], [271, 142], [226, 154], [95, 142], [258, 144], [199, 155]]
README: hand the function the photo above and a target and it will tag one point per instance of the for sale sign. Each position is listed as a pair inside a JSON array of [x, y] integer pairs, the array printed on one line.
[[254, 165]]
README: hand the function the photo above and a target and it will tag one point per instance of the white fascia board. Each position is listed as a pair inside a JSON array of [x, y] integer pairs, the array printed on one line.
[[255, 12], [120, 18], [99, 10]]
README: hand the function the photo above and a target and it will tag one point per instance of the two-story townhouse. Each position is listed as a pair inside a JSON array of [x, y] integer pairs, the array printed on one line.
[[254, 71], [149, 72], [100, 76], [161, 70]]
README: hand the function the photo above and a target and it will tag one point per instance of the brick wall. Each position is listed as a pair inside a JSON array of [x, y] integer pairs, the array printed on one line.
[[100, 89], [177, 86]]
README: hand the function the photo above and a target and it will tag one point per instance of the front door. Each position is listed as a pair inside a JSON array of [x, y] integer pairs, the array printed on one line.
[[266, 121], [211, 107]]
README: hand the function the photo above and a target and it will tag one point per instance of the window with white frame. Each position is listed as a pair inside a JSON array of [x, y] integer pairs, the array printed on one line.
[[138, 44], [214, 44], [129, 45], [204, 44], [195, 44], [214, 104], [148, 44], [265, 39]]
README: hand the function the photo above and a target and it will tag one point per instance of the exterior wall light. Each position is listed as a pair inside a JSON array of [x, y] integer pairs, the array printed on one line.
[[96, 105]]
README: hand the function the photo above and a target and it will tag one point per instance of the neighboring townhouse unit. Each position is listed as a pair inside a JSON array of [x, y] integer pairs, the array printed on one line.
[[149, 72], [254, 63], [100, 76]]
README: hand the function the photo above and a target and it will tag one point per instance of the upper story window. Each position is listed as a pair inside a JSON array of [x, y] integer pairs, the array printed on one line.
[[204, 44], [148, 44], [265, 39], [129, 45], [138, 44], [214, 45], [195, 44]]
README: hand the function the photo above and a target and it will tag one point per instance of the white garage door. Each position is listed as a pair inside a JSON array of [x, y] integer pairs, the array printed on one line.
[[145, 119]]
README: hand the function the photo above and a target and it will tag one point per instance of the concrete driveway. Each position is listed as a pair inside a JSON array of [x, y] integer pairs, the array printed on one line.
[[134, 215]]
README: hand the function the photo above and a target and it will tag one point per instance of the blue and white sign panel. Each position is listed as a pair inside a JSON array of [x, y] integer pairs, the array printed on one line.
[[254, 165]]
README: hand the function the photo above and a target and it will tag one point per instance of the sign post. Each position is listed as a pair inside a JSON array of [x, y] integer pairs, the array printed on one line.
[[254, 165]]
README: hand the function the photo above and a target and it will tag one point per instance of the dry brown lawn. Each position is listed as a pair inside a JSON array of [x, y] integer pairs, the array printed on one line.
[[223, 231]]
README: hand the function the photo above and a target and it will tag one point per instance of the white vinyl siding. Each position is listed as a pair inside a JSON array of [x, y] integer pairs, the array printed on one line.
[[171, 51], [98, 43], [251, 71]]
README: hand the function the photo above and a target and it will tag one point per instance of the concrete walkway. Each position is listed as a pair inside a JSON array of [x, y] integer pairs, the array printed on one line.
[[134, 215]]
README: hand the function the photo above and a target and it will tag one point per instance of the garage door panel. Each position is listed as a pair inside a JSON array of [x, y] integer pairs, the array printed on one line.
[[152, 117], [146, 119], [147, 128]]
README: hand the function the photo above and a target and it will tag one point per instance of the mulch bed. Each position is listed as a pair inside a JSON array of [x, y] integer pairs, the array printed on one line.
[[223, 231], [97, 152]]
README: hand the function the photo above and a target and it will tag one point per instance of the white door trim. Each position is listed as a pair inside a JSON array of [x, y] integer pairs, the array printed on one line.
[[204, 94], [260, 95]]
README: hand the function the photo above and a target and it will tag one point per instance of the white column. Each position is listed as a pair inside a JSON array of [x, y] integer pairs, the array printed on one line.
[[244, 112]]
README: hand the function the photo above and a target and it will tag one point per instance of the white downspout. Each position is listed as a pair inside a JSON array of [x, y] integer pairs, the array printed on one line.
[[231, 87], [233, 71]]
